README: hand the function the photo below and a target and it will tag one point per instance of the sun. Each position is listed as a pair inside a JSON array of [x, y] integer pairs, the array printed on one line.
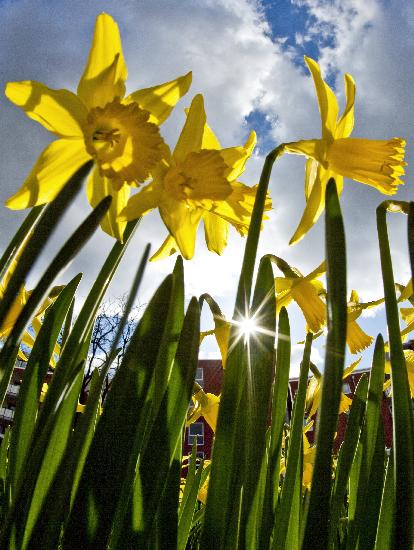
[[247, 327]]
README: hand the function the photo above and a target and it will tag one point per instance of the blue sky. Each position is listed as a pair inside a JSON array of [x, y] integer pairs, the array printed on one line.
[[247, 60]]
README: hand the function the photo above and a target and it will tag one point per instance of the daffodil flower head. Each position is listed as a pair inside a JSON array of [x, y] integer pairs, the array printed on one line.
[[313, 392], [306, 291], [119, 133], [205, 405], [378, 163], [356, 339], [197, 182], [17, 307], [409, 362]]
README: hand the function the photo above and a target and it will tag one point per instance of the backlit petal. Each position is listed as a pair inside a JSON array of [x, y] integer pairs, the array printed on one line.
[[59, 111], [105, 72], [314, 207], [160, 100], [216, 232], [182, 222], [192, 133], [98, 188], [58, 162], [328, 104], [346, 122], [236, 157], [141, 203], [168, 247]]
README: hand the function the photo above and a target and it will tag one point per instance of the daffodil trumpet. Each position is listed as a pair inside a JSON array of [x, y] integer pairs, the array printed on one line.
[[119, 133], [378, 163]]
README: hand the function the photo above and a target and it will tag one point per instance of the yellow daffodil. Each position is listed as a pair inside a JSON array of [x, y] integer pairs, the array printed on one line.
[[313, 392], [198, 181], [409, 361], [205, 405], [221, 330], [17, 307], [120, 134], [309, 453], [378, 163], [356, 339], [304, 290]]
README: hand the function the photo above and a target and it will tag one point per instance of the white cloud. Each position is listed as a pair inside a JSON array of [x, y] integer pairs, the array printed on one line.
[[239, 68]]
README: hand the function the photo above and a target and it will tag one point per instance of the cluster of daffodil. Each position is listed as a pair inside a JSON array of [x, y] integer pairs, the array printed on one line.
[[197, 181]]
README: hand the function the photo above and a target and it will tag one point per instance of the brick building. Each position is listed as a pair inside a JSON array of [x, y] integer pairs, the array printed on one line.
[[209, 376]]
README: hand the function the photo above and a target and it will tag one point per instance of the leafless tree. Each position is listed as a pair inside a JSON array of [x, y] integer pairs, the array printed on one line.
[[103, 335]]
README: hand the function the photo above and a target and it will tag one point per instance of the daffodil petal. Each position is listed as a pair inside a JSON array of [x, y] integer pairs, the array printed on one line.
[[328, 104], [236, 157], [58, 162], [59, 111], [160, 100], [143, 202], [105, 72], [407, 292], [98, 188], [182, 223], [317, 272], [192, 133], [168, 248], [349, 370], [238, 207], [216, 232], [209, 140], [314, 206], [346, 122], [284, 283]]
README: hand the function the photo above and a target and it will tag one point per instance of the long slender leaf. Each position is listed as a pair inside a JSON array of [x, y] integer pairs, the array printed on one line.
[[222, 508], [154, 481], [260, 372], [403, 438], [34, 376], [385, 530], [90, 522], [280, 391], [73, 350], [346, 455], [41, 233], [318, 511], [57, 504], [63, 257], [294, 456], [18, 239]]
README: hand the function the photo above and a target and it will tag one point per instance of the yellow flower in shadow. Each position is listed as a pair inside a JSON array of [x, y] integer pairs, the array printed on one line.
[[313, 392], [309, 453], [205, 405], [119, 133], [306, 291], [197, 182], [17, 307], [356, 338], [409, 362], [378, 163]]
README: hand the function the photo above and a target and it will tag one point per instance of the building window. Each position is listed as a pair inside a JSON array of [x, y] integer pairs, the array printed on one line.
[[13, 389], [200, 454], [346, 388], [200, 376], [196, 430]]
